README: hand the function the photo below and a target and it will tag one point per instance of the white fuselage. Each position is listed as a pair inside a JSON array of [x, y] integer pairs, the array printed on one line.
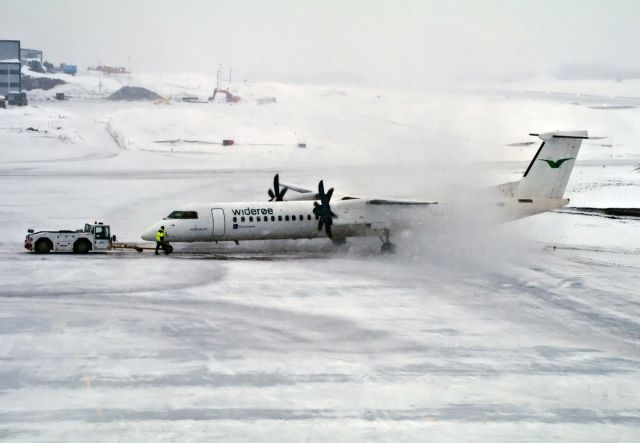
[[235, 221], [540, 189], [268, 220]]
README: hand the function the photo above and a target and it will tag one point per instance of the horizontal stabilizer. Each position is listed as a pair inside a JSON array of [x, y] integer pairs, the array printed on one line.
[[566, 134]]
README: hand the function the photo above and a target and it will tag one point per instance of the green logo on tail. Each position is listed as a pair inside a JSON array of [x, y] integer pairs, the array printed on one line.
[[555, 164]]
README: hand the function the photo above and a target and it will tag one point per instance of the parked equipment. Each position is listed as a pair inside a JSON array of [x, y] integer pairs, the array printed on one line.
[[69, 69], [17, 98]]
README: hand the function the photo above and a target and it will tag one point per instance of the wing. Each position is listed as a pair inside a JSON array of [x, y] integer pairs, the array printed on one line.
[[295, 188], [400, 202], [309, 194]]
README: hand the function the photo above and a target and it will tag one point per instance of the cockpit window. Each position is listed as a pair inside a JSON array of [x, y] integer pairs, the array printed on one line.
[[183, 214]]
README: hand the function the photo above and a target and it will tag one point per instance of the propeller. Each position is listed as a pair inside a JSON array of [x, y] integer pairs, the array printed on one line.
[[275, 193], [323, 210]]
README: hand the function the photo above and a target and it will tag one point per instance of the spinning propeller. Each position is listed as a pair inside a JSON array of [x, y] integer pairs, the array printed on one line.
[[276, 194], [323, 210]]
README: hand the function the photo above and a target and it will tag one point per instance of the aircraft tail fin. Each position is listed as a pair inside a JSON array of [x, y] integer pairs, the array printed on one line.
[[549, 171]]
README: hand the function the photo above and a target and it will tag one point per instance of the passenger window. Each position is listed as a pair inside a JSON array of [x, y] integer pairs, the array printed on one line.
[[258, 218], [273, 218], [266, 219], [302, 218], [293, 217], [286, 218], [241, 219], [279, 218], [309, 217], [235, 219], [250, 219]]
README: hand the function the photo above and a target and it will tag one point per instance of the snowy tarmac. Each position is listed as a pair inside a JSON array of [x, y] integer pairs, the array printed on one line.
[[468, 333]]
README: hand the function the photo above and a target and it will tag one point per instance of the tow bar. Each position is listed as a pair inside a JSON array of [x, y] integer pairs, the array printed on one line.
[[166, 247]]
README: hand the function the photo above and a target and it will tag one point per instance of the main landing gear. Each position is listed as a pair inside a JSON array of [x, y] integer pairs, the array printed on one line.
[[387, 247], [339, 241]]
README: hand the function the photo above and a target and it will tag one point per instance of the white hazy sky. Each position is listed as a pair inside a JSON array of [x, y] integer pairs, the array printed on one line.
[[402, 41]]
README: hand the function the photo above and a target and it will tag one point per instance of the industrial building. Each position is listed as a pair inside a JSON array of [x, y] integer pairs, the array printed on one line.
[[27, 55], [10, 74]]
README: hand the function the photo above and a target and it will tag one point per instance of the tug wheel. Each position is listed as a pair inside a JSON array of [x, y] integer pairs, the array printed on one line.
[[43, 246], [81, 247]]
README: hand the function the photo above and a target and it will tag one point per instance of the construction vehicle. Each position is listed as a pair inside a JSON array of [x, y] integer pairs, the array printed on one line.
[[229, 96], [93, 238]]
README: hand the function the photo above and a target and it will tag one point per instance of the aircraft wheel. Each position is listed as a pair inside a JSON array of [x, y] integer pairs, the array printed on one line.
[[339, 241], [388, 248]]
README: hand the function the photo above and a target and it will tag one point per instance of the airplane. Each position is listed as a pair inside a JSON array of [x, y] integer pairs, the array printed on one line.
[[311, 214]]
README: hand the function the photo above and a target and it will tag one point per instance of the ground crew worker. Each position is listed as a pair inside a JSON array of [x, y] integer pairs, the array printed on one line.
[[159, 239]]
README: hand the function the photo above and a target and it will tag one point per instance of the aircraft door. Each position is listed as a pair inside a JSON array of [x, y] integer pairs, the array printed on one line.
[[217, 216]]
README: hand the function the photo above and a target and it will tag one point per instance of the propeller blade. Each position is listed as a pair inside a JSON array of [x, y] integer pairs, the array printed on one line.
[[329, 194], [322, 210], [276, 193]]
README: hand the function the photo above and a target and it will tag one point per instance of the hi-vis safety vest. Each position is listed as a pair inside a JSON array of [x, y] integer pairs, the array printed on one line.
[[160, 235]]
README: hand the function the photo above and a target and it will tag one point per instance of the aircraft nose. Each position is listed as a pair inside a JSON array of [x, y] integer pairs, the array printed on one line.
[[149, 234]]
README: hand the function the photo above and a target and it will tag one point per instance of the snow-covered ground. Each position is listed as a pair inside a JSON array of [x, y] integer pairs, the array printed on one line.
[[469, 332]]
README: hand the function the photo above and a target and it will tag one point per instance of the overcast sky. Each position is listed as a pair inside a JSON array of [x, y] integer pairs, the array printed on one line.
[[397, 41]]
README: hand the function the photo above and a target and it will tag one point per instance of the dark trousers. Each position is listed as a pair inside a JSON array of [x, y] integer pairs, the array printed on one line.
[[158, 246]]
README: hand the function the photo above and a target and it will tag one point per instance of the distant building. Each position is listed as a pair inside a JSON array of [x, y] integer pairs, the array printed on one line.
[[10, 73], [10, 51], [27, 55]]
